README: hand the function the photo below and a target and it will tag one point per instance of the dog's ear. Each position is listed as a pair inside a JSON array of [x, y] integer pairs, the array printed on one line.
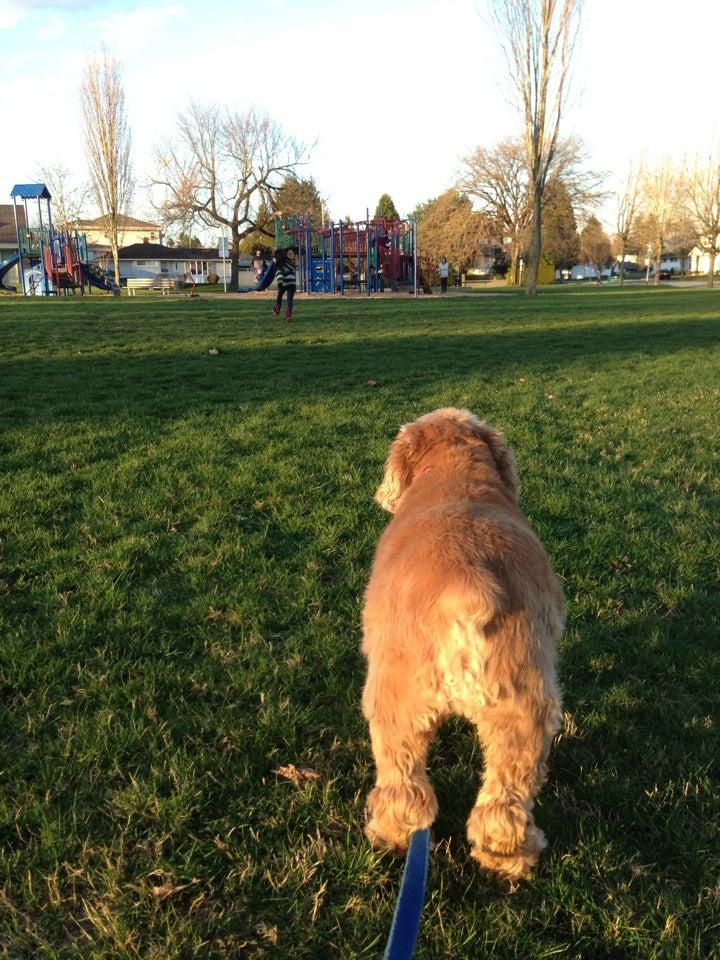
[[501, 454], [398, 472]]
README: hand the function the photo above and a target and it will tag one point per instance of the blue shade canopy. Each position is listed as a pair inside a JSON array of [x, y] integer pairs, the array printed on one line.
[[30, 191]]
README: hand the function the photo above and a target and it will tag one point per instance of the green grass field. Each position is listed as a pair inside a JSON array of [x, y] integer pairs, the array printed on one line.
[[185, 540]]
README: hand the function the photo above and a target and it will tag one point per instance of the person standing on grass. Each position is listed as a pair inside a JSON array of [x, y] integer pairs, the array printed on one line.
[[259, 264], [443, 270], [286, 282]]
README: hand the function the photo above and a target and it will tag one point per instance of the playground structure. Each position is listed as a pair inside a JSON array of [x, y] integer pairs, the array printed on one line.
[[366, 256], [49, 261]]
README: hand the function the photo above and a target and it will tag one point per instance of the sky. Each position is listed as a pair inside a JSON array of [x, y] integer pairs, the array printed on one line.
[[390, 93]]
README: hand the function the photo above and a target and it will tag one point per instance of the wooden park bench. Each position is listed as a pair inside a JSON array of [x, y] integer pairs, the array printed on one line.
[[139, 283], [166, 285]]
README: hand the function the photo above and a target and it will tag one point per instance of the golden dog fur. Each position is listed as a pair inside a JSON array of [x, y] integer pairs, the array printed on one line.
[[462, 615]]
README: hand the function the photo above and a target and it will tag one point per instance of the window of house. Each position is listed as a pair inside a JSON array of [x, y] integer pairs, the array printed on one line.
[[164, 268], [140, 263]]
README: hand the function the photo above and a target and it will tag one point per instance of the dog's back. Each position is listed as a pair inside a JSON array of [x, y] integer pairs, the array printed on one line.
[[462, 608]]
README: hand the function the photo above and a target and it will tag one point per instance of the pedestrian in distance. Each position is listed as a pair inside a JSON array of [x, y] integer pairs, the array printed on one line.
[[259, 264], [443, 270]]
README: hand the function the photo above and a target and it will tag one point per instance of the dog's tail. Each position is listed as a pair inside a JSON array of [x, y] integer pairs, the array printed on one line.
[[475, 598]]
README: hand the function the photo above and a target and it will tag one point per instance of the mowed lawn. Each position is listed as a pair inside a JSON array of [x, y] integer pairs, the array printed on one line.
[[185, 541]]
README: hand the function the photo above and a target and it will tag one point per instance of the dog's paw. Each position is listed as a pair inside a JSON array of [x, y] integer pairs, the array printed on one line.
[[505, 839], [386, 837]]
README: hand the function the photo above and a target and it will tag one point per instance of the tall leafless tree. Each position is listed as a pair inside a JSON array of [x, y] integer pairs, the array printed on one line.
[[702, 191], [497, 180], [628, 208], [538, 37], [223, 170], [107, 144], [68, 197]]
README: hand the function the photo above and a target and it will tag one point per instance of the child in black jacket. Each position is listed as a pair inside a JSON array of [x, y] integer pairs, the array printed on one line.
[[286, 282]]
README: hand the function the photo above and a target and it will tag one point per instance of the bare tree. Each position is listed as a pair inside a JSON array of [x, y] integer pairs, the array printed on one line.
[[68, 198], [538, 37], [497, 179], [628, 208], [107, 144], [225, 169], [702, 190], [585, 186], [661, 209]]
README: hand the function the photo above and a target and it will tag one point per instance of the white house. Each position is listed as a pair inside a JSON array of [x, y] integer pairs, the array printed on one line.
[[700, 261], [155, 260], [674, 263], [584, 271]]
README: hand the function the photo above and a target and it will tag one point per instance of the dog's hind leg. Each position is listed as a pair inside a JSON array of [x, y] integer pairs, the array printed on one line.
[[516, 734], [403, 799]]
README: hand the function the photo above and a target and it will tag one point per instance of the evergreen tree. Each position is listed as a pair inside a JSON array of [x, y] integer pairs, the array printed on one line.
[[560, 241], [386, 209], [298, 197]]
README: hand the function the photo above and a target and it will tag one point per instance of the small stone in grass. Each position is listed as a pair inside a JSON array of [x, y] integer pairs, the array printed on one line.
[[213, 352], [372, 383]]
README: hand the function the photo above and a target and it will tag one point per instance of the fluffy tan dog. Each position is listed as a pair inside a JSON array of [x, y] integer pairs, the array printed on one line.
[[462, 614]]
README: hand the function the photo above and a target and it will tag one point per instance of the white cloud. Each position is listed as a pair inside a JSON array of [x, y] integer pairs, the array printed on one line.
[[126, 32], [59, 4], [10, 14]]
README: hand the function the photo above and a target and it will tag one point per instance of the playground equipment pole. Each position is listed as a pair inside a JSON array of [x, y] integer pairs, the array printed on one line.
[[82, 274], [21, 269], [415, 269], [224, 248], [342, 263], [42, 257], [367, 252], [332, 256]]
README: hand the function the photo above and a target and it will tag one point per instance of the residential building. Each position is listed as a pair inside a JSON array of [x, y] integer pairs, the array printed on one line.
[[156, 260], [130, 231], [700, 261]]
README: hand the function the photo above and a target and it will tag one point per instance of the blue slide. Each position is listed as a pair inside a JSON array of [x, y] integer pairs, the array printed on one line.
[[265, 280], [5, 267], [98, 278]]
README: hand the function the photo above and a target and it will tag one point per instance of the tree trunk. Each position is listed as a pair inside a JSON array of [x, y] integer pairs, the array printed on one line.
[[658, 254], [234, 258], [116, 259], [533, 264], [711, 270], [622, 265]]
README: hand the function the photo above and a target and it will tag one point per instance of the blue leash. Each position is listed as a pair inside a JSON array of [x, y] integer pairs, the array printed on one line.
[[406, 922]]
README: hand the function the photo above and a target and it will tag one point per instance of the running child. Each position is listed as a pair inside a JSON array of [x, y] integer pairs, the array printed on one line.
[[286, 282]]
